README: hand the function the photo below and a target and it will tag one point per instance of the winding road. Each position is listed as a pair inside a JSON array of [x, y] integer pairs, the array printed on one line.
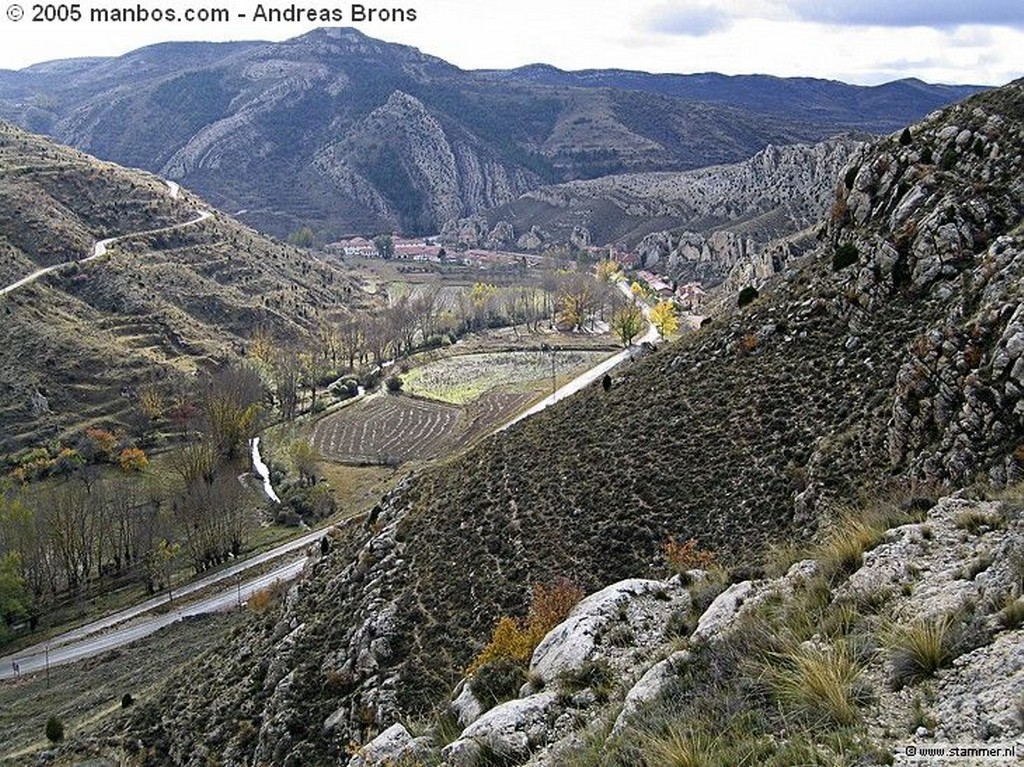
[[100, 248]]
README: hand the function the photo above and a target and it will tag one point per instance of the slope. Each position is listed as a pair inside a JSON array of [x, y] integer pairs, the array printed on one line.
[[349, 134], [892, 355], [76, 345]]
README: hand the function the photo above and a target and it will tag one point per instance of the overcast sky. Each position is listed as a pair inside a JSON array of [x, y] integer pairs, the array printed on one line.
[[857, 41]]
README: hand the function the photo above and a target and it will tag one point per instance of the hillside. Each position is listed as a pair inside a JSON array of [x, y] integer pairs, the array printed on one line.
[[76, 345], [693, 225], [888, 358], [348, 134], [875, 109]]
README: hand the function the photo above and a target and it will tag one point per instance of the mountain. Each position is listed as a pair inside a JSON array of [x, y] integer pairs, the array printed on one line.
[[183, 292], [888, 357], [875, 109], [346, 134], [693, 225]]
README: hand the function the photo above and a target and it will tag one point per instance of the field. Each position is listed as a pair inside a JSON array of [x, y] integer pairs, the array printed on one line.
[[465, 378], [449, 404]]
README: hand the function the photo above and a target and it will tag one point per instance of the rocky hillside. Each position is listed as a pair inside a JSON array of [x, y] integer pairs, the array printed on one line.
[[348, 134], [649, 671], [889, 357], [695, 225], [76, 345]]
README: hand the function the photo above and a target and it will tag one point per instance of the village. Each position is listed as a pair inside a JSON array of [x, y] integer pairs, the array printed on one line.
[[689, 298]]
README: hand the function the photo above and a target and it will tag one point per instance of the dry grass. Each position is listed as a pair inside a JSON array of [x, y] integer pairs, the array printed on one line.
[[822, 683], [921, 648]]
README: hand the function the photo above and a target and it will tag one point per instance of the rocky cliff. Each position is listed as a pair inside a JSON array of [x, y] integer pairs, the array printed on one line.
[[885, 358], [689, 226]]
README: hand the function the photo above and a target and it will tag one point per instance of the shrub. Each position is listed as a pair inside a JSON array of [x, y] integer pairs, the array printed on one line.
[[596, 675], [747, 295], [926, 156], [133, 459], [54, 730], [686, 556], [949, 159], [515, 639], [845, 255], [1012, 615], [394, 383], [496, 681], [851, 176], [905, 138], [127, 701]]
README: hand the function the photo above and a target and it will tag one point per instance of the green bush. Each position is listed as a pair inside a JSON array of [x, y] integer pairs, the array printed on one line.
[[747, 295], [394, 383], [926, 155], [845, 255], [496, 681], [905, 138], [127, 700], [949, 159], [54, 730]]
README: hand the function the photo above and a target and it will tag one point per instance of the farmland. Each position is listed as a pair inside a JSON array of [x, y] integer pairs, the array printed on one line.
[[449, 404]]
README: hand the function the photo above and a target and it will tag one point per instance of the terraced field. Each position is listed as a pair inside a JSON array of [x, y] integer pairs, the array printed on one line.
[[455, 401], [389, 429]]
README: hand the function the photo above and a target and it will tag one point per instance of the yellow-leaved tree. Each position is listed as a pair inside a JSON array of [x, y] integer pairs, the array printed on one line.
[[663, 317]]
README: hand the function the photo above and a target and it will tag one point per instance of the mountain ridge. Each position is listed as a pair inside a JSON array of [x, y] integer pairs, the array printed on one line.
[[241, 122]]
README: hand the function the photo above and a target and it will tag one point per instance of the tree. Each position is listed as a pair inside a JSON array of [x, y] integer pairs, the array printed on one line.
[[627, 322], [14, 597], [231, 407], [608, 271], [385, 246], [305, 459], [663, 317]]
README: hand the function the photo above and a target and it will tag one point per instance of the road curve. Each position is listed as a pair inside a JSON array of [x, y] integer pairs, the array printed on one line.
[[100, 248]]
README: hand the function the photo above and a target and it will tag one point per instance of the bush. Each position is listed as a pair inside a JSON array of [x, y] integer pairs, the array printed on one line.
[[926, 155], [845, 255], [851, 176], [127, 701], [54, 730], [905, 138], [496, 681], [949, 159], [394, 383], [747, 295]]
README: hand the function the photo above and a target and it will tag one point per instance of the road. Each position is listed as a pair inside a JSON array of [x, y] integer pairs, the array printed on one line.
[[140, 620], [584, 380], [100, 248], [96, 637]]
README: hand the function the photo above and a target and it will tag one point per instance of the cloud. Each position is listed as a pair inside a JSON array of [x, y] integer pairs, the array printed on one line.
[[691, 21], [910, 13]]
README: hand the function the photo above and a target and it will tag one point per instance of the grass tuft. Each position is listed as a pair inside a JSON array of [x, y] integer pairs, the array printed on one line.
[[822, 683], [921, 648]]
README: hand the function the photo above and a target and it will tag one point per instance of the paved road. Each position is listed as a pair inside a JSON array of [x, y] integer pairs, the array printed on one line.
[[134, 623], [100, 248], [93, 640], [86, 636]]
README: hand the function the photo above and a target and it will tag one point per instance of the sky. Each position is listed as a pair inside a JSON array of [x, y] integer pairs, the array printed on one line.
[[856, 41]]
